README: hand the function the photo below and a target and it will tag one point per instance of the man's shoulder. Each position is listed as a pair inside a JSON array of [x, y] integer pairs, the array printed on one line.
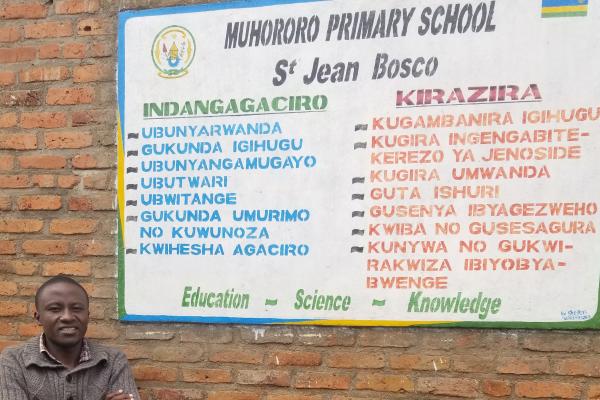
[[15, 354], [112, 354]]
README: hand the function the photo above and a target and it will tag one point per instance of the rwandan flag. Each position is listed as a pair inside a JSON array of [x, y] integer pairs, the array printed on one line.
[[564, 8]]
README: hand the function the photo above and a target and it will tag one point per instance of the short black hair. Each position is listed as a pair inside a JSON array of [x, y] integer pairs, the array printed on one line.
[[59, 279]]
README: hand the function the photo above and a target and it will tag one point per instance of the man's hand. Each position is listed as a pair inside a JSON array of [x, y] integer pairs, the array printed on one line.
[[119, 395]]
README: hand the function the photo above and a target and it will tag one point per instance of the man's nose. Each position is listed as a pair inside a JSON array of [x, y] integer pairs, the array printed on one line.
[[67, 315]]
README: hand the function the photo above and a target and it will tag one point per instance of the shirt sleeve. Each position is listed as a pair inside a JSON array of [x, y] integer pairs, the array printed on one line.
[[11, 384], [121, 377]]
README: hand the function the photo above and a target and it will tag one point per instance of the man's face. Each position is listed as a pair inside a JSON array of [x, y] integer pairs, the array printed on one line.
[[63, 311]]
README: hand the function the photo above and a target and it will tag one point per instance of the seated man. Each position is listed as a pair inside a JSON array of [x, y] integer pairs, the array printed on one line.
[[61, 364]]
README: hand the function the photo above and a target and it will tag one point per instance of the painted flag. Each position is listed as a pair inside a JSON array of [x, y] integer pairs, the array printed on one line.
[[564, 8]]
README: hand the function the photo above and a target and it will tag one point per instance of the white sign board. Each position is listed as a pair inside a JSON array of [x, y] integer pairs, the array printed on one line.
[[361, 163]]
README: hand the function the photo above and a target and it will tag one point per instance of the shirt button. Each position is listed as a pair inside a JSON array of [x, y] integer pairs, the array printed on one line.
[[70, 398], [69, 381]]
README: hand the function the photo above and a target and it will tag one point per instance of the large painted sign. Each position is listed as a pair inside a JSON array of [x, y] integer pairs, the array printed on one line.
[[375, 162]]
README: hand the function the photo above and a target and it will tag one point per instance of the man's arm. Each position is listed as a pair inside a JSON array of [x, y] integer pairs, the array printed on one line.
[[11, 383], [122, 378]]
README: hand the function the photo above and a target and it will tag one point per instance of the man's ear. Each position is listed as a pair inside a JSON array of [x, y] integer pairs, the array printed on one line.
[[36, 316]]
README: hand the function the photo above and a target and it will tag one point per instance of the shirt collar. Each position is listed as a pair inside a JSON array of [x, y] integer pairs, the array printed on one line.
[[84, 356]]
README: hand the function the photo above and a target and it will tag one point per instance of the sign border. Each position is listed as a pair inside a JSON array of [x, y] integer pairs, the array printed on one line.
[[123, 18]]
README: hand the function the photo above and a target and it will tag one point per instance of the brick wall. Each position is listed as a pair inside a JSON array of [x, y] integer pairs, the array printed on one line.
[[57, 173]]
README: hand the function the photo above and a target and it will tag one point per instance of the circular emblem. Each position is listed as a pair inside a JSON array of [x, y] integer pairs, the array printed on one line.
[[173, 51]]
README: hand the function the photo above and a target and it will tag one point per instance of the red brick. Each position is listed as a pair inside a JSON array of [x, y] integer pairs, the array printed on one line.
[[313, 336], [94, 26], [72, 226], [384, 382], [67, 140], [8, 120], [102, 331], [89, 203], [457, 387], [91, 117], [322, 380], [29, 330], [18, 98], [14, 181], [578, 366], [100, 49], [74, 50], [90, 161], [135, 352], [98, 311], [557, 342], [259, 377], [28, 288], [46, 247], [74, 268], [39, 202], [7, 163], [385, 337], [475, 363], [93, 73], [135, 332], [7, 328], [43, 120], [419, 362], [179, 353], [48, 29], [76, 6], [8, 288], [559, 390], [18, 141], [44, 74], [177, 394], [204, 375], [523, 365], [100, 291], [594, 392], [26, 10], [8, 247], [207, 334], [496, 388], [451, 340], [44, 180], [13, 308], [294, 358], [49, 51], [18, 267], [94, 248], [21, 225], [98, 181], [70, 95], [42, 162], [7, 78], [68, 181], [355, 360], [17, 54], [5, 203], [230, 395], [285, 396], [10, 34], [236, 356]]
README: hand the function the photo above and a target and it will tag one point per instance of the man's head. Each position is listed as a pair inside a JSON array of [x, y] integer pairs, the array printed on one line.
[[62, 309]]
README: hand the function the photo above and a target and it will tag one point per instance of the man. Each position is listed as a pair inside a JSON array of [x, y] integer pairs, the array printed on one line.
[[61, 364]]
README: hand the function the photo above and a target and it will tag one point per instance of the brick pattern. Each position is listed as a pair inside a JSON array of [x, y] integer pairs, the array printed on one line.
[[57, 171]]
